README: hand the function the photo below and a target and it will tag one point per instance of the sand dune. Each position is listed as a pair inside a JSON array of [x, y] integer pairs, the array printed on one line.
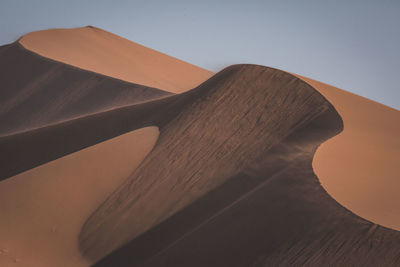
[[360, 167], [273, 213], [218, 205], [94, 49], [230, 181], [218, 150], [44, 208]]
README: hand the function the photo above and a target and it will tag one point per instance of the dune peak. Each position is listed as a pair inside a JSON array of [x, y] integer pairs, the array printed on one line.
[[97, 50]]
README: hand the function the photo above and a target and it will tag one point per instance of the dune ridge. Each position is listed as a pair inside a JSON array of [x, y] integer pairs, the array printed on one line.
[[37, 91], [148, 206], [251, 125], [94, 49]]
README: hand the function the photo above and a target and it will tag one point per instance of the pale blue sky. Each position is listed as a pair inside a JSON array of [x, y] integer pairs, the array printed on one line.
[[350, 44]]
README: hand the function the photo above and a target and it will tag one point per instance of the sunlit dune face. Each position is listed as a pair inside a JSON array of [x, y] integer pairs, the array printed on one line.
[[360, 167], [96, 50], [43, 209]]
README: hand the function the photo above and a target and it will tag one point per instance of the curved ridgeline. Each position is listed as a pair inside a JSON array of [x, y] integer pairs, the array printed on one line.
[[272, 213], [230, 183], [38, 91]]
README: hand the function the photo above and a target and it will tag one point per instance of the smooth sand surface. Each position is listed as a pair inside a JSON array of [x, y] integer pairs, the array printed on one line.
[[97, 50], [43, 209], [360, 167]]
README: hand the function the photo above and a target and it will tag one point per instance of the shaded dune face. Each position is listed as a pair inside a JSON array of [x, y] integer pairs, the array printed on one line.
[[272, 213], [233, 119], [37, 92], [268, 209]]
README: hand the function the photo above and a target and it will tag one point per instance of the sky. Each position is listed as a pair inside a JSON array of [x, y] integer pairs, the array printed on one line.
[[351, 44]]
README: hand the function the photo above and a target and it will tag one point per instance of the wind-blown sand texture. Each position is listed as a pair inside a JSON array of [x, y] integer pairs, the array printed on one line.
[[97, 50], [229, 182], [247, 180]]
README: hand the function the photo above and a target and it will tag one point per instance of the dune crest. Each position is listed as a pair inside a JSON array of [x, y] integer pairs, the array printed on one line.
[[100, 51], [43, 209], [227, 126]]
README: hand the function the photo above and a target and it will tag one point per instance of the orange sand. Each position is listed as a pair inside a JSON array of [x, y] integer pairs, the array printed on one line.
[[43, 209], [96, 50], [360, 167]]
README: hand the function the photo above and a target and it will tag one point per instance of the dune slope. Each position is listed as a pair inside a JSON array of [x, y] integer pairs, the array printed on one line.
[[37, 91], [94, 49], [244, 141]]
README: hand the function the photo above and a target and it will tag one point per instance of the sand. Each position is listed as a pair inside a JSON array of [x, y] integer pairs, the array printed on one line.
[[360, 167], [234, 186], [226, 125], [43, 209], [46, 207], [364, 179], [97, 50], [38, 92]]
